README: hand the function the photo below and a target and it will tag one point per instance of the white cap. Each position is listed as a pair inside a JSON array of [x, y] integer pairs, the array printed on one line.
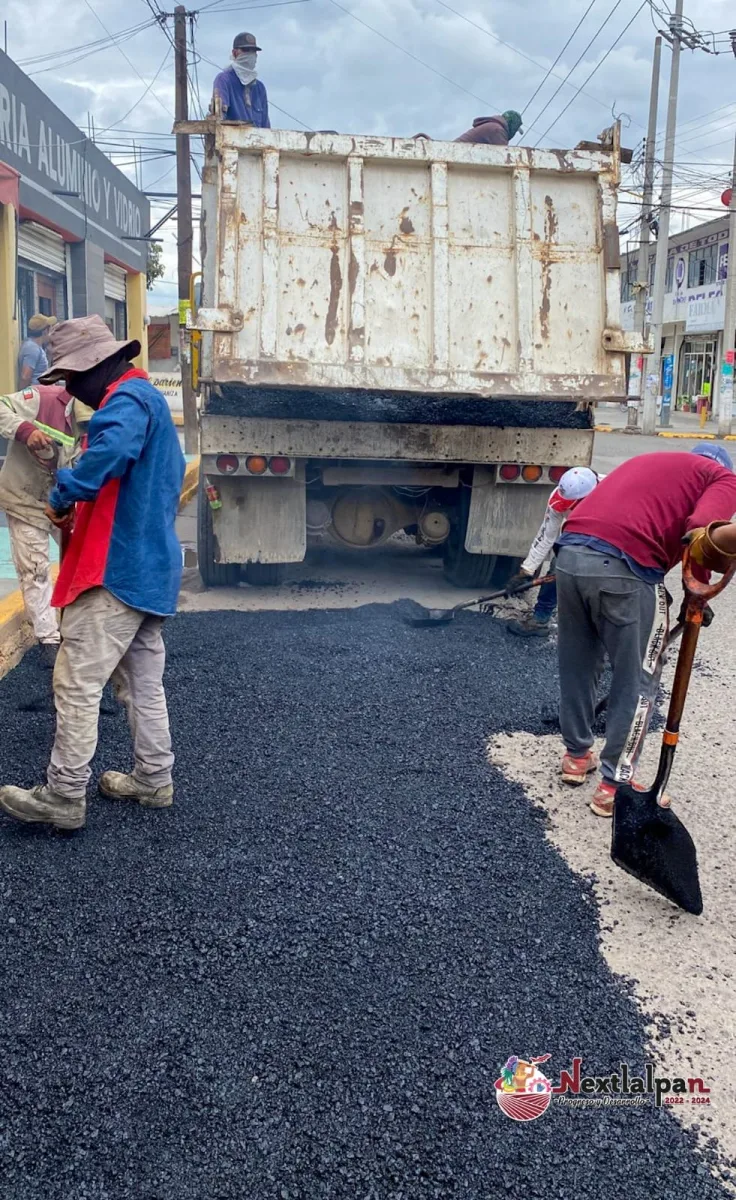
[[577, 482]]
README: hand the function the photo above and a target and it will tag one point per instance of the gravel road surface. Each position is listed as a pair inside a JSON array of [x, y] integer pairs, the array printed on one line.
[[302, 980]]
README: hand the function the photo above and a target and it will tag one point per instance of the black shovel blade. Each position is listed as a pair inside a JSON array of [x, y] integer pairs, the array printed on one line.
[[652, 844], [433, 616]]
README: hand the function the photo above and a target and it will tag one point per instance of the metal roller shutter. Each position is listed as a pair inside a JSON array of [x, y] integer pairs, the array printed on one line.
[[42, 247], [114, 282]]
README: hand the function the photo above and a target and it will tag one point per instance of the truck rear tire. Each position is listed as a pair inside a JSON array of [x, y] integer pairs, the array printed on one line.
[[460, 568], [506, 566], [213, 574], [264, 574]]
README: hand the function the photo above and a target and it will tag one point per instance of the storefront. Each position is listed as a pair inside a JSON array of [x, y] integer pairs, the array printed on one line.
[[71, 224], [694, 311]]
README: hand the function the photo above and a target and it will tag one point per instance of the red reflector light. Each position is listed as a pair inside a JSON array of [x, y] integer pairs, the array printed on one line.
[[227, 463], [510, 471], [556, 473], [530, 473], [256, 464], [279, 465]]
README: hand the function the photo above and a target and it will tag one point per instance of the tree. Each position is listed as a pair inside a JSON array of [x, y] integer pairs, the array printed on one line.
[[154, 264]]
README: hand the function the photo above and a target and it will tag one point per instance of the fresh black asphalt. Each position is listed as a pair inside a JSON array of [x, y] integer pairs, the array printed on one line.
[[302, 980]]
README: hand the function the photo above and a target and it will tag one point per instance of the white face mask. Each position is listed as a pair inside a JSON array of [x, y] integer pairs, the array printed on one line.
[[244, 67]]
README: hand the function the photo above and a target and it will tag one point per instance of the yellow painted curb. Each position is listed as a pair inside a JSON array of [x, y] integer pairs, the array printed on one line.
[[191, 483], [15, 632], [700, 437], [696, 436]]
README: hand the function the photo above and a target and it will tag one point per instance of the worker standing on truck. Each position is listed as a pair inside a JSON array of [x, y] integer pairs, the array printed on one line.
[[613, 554], [493, 131], [119, 579], [239, 91], [37, 424], [573, 487]]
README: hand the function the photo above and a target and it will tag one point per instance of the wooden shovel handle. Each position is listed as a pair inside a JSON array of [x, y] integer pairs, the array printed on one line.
[[697, 595]]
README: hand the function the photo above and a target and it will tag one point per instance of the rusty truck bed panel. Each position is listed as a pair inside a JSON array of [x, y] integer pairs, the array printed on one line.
[[360, 262], [411, 443]]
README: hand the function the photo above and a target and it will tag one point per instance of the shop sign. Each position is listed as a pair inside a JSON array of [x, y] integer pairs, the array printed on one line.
[[65, 177]]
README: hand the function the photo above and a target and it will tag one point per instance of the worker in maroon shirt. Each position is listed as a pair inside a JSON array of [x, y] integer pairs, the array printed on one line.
[[613, 554]]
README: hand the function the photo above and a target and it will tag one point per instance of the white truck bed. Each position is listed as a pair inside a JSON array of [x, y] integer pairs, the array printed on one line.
[[334, 261]]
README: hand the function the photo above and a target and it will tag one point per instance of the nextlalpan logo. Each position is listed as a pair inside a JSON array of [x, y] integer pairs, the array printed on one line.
[[523, 1092]]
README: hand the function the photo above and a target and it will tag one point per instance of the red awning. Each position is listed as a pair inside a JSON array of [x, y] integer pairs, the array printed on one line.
[[9, 180]]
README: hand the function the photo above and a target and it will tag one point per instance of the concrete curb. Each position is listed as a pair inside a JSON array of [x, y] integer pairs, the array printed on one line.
[[666, 433], [16, 635]]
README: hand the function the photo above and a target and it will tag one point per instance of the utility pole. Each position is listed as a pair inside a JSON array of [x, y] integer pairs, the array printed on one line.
[[184, 226], [642, 276], [653, 364], [725, 388]]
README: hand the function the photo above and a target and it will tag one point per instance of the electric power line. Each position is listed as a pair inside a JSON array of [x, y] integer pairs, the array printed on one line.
[[577, 62], [539, 86], [598, 65], [408, 53], [125, 56]]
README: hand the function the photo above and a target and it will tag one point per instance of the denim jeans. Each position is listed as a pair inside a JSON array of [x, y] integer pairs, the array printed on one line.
[[546, 601]]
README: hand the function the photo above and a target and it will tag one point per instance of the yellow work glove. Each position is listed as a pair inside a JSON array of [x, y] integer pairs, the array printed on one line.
[[704, 553]]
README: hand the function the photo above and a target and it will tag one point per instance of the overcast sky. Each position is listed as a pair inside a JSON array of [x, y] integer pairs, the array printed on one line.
[[325, 68]]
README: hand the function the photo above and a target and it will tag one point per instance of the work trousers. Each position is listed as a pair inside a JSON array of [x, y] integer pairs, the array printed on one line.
[[605, 609], [30, 549], [104, 639]]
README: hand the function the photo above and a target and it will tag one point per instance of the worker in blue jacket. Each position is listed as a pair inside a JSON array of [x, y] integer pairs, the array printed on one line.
[[119, 578], [238, 90]]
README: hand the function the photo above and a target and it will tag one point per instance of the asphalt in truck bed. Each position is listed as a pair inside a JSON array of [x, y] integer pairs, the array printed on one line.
[[302, 980]]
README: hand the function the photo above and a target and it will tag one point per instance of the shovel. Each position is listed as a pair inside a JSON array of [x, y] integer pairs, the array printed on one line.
[[648, 841], [443, 616]]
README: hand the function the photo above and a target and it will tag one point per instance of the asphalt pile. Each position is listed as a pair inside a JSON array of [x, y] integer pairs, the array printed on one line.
[[302, 981], [366, 404]]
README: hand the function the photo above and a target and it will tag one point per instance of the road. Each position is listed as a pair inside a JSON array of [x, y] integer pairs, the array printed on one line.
[[303, 980]]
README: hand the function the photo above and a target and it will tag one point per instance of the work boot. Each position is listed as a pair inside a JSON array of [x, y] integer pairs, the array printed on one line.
[[530, 626], [577, 770], [49, 651], [117, 786], [41, 805]]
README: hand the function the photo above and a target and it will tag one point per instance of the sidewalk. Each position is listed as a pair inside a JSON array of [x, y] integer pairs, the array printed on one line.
[[613, 419]]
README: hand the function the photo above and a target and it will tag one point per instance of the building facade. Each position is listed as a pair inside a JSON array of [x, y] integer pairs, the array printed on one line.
[[694, 310], [69, 224]]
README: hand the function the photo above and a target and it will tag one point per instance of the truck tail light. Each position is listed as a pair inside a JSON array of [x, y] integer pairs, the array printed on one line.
[[256, 464], [279, 464], [556, 473], [530, 473], [510, 471], [227, 464]]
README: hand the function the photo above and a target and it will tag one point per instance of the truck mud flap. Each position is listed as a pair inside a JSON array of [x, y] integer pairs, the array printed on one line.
[[503, 518], [262, 520]]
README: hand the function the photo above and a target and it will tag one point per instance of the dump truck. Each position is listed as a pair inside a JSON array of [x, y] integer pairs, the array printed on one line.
[[397, 334]]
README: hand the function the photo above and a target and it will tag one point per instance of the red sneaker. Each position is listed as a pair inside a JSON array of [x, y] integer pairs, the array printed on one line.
[[602, 802], [576, 770]]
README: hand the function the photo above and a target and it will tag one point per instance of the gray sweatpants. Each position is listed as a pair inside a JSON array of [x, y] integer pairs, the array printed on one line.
[[604, 609], [102, 639]]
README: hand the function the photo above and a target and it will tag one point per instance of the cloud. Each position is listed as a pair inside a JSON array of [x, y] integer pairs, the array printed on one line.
[[324, 67]]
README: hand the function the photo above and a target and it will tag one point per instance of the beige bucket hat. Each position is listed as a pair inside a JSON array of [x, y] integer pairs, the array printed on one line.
[[83, 343]]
